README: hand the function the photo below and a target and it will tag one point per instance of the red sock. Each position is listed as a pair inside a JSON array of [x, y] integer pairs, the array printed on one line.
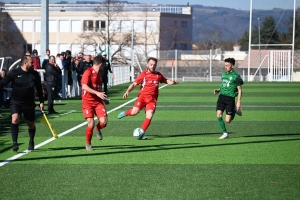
[[100, 126], [128, 112], [88, 135], [146, 124]]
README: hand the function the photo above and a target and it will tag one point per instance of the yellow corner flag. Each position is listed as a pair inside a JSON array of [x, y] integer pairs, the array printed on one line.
[[45, 121]]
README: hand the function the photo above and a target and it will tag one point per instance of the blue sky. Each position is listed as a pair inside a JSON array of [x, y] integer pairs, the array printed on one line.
[[236, 4]]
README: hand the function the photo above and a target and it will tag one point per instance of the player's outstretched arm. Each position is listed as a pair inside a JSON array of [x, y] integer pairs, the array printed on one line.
[[129, 89], [169, 82]]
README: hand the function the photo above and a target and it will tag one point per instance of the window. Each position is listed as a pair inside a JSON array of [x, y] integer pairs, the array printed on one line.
[[76, 26], [89, 49], [76, 48], [27, 26], [63, 26], [37, 46], [88, 25], [114, 26], [16, 25], [37, 26], [138, 26], [100, 25], [53, 49], [183, 46], [52, 26], [126, 26], [151, 26], [183, 24], [63, 47]]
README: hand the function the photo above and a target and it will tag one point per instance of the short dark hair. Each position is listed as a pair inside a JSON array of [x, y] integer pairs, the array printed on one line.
[[230, 60], [24, 59], [98, 59], [47, 49], [152, 58]]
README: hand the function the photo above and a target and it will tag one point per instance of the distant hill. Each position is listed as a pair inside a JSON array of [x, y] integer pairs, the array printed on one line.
[[232, 22]]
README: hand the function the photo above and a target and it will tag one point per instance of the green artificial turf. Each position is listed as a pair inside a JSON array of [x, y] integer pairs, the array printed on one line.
[[182, 159]]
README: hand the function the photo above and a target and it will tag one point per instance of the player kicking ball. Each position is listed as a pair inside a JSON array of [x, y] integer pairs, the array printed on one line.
[[148, 94], [92, 101], [230, 88]]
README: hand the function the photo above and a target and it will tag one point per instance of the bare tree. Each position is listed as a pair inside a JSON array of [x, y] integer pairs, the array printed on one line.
[[211, 38], [11, 40], [105, 31]]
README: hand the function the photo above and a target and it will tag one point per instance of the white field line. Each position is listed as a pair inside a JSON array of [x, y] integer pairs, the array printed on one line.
[[61, 134]]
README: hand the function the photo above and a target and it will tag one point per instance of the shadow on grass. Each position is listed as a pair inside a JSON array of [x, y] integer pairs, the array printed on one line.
[[145, 148], [187, 135], [9, 148], [274, 135]]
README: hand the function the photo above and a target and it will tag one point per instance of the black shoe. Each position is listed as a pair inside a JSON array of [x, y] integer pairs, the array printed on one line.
[[15, 147], [106, 102], [31, 145], [99, 135], [52, 112]]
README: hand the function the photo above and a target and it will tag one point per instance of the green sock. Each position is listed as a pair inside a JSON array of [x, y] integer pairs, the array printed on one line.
[[222, 124]]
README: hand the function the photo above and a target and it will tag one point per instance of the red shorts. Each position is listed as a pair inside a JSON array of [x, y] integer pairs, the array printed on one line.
[[91, 109], [147, 102]]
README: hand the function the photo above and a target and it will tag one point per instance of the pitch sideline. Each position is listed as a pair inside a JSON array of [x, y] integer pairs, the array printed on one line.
[[2, 163]]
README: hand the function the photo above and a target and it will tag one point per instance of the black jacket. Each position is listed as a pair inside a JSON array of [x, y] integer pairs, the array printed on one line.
[[105, 69], [24, 85], [51, 74], [83, 65]]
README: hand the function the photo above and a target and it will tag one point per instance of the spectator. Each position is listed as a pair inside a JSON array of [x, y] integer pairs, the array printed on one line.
[[36, 60], [104, 72], [85, 64], [75, 73], [66, 67], [46, 58], [52, 72], [58, 61], [3, 92], [70, 79]]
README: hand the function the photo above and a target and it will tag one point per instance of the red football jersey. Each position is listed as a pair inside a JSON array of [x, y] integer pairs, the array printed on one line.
[[93, 80], [149, 82]]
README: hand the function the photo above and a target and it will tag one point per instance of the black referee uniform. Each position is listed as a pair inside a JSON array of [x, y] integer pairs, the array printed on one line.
[[22, 99]]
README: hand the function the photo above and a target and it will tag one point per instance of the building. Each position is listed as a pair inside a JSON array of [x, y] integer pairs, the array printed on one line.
[[89, 28]]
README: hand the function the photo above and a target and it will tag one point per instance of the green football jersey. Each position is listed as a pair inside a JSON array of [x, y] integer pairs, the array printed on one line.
[[230, 81]]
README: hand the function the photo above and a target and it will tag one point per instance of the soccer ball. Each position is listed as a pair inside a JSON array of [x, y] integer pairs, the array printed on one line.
[[138, 133]]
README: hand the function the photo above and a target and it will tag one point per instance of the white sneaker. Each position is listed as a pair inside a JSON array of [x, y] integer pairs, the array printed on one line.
[[89, 147], [224, 136]]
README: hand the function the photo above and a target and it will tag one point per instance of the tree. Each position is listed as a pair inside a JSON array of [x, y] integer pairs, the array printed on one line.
[[288, 37], [106, 31], [268, 34], [11, 40], [211, 38]]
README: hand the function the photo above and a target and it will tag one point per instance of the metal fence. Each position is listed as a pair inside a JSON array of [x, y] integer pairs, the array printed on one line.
[[208, 65]]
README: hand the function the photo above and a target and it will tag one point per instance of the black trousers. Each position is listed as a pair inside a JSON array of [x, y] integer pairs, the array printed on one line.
[[51, 96], [104, 82]]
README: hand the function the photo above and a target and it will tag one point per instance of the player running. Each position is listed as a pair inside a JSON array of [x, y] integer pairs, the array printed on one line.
[[148, 94], [92, 100], [230, 88]]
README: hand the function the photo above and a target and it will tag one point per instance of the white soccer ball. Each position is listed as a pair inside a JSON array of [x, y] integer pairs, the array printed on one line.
[[138, 133]]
